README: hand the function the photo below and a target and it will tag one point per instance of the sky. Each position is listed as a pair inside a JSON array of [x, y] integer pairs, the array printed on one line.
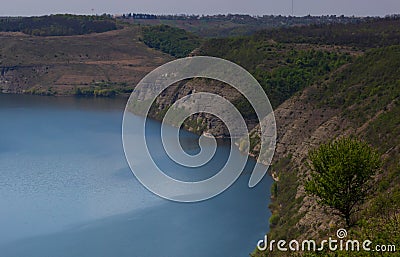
[[252, 7]]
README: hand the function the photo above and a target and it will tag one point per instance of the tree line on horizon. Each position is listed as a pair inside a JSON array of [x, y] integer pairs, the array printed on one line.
[[59, 24]]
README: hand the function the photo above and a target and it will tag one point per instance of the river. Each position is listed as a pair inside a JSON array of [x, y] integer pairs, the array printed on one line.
[[66, 189]]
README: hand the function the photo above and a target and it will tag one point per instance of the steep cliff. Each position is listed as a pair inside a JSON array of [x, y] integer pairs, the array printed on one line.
[[360, 99]]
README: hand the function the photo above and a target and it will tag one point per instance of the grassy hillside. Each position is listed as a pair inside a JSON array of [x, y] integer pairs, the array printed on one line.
[[364, 100]]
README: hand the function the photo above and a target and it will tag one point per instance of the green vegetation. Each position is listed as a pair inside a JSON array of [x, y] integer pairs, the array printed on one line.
[[281, 69], [372, 33], [40, 91], [103, 90], [382, 231], [58, 25], [342, 175], [285, 203], [302, 68], [367, 95], [170, 40], [369, 85]]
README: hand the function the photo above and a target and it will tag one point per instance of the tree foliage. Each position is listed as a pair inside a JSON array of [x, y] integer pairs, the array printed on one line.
[[342, 173], [174, 41]]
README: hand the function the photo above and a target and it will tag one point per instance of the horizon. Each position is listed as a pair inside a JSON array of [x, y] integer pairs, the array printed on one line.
[[192, 14], [358, 8]]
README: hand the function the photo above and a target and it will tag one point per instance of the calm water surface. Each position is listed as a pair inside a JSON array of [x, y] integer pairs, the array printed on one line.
[[66, 189]]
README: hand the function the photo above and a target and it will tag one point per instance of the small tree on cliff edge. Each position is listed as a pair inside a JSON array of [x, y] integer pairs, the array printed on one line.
[[342, 175]]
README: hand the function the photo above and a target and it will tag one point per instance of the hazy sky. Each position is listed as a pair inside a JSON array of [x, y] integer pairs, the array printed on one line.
[[255, 7]]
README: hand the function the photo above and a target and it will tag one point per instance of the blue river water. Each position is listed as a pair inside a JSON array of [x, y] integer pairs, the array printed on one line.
[[66, 189]]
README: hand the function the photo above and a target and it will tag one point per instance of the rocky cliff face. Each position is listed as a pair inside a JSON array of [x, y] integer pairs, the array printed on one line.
[[301, 126], [202, 122], [20, 78]]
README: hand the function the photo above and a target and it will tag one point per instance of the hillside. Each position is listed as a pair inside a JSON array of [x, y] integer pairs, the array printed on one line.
[[58, 25], [173, 41], [230, 25], [370, 33], [103, 63], [362, 99]]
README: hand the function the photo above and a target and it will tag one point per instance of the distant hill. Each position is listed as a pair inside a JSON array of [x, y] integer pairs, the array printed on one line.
[[58, 25], [376, 32], [232, 24]]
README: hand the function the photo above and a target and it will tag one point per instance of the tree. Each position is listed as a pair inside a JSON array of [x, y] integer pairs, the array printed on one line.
[[342, 175]]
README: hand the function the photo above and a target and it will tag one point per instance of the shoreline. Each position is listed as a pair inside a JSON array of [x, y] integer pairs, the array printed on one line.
[[126, 96]]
